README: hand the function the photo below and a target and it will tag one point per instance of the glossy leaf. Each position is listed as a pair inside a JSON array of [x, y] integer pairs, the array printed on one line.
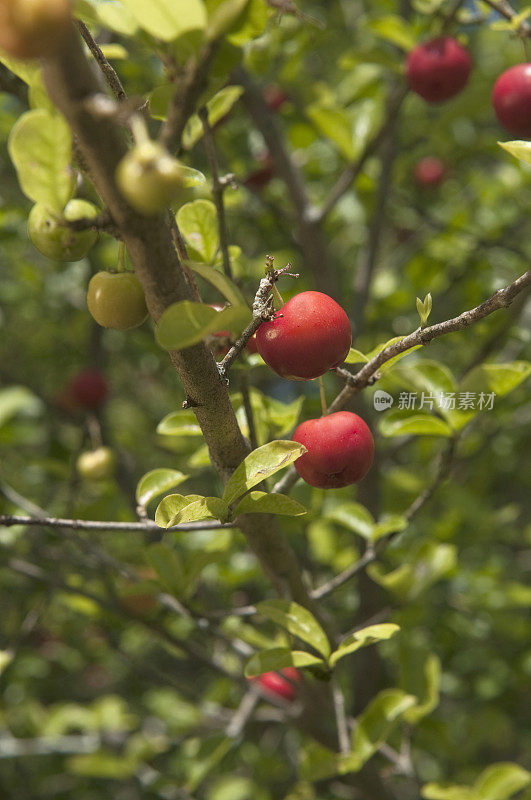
[[394, 423], [186, 323], [171, 506], [374, 725], [168, 19], [353, 516], [437, 791], [259, 465], [179, 423], [396, 30], [225, 18], [355, 357], [429, 699], [156, 482], [430, 563], [40, 147], [363, 638], [500, 781], [390, 523], [278, 658], [198, 223], [298, 621], [518, 149], [17, 400], [217, 107], [218, 279], [498, 378], [336, 125], [265, 503]]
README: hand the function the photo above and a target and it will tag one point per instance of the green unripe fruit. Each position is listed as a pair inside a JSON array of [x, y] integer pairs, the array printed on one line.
[[96, 465], [116, 300], [149, 178], [56, 240]]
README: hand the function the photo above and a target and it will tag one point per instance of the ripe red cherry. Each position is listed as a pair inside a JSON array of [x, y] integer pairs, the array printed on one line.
[[88, 389], [308, 336], [275, 683], [511, 98], [438, 69], [340, 450], [429, 171]]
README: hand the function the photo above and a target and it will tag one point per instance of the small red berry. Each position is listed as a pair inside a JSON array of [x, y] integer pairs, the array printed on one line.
[[439, 69], [88, 389], [308, 336], [340, 450], [275, 683], [511, 98], [429, 171], [274, 97]]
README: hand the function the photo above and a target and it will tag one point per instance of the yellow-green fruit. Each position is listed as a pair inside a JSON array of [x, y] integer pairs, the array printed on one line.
[[56, 240], [149, 178], [33, 28], [116, 300], [96, 465]]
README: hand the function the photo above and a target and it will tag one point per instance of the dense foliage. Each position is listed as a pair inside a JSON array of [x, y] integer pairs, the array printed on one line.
[[126, 655]]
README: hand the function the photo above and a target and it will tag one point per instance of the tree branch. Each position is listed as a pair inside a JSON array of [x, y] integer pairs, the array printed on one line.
[[110, 74], [8, 520], [423, 336]]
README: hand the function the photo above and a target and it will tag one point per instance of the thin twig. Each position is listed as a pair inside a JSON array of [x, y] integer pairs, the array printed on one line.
[[341, 719], [423, 336], [109, 73], [217, 190], [246, 397], [506, 10], [7, 520]]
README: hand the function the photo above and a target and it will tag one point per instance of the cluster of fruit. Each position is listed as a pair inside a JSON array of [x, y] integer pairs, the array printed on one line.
[[439, 69]]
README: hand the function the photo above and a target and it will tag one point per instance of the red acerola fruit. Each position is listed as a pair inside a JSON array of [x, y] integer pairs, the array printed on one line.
[[88, 389], [308, 336], [429, 171], [438, 69], [511, 98], [259, 178], [276, 683], [340, 450], [274, 97]]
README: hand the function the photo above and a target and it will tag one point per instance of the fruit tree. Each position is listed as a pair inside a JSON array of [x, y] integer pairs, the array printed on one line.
[[264, 418]]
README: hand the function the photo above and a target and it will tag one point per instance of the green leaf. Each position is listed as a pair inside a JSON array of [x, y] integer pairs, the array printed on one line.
[[498, 378], [176, 509], [199, 225], [390, 523], [336, 125], [264, 503], [500, 781], [205, 508], [218, 279], [436, 791], [378, 349], [179, 423], [394, 423], [375, 724], [186, 323], [168, 566], [171, 506], [363, 638], [103, 765], [353, 516], [394, 29], [429, 699], [217, 107], [227, 16], [6, 657], [278, 658], [259, 465], [168, 19], [40, 147], [424, 309], [428, 564], [156, 482], [116, 17], [17, 400], [518, 149], [298, 621], [355, 357]]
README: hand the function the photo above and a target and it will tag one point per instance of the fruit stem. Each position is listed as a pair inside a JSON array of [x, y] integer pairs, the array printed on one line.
[[277, 297], [139, 129], [322, 394], [121, 257]]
